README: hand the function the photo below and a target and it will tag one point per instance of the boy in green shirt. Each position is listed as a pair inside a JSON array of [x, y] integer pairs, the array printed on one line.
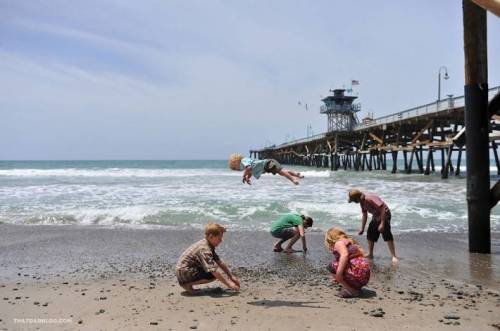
[[290, 226]]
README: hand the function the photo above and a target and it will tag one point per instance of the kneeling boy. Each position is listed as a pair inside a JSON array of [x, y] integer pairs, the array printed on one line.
[[199, 264], [290, 227]]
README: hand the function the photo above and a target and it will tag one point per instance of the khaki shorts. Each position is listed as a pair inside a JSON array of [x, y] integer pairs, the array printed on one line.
[[273, 167]]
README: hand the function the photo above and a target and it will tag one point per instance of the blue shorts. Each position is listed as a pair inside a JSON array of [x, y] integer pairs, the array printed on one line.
[[284, 234]]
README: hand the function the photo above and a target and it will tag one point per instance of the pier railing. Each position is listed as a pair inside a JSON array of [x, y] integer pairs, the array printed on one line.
[[301, 140], [348, 108], [433, 107]]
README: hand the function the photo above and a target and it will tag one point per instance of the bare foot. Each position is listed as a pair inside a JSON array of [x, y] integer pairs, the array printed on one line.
[[296, 182], [277, 248], [368, 256], [394, 260], [300, 175], [189, 290]]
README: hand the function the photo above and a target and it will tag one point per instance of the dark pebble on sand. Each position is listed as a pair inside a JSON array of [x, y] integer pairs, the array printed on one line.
[[153, 323], [451, 317], [379, 312], [80, 322], [36, 303], [45, 304], [193, 327]]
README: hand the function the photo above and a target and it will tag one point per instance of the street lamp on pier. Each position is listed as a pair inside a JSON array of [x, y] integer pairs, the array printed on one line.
[[439, 80]]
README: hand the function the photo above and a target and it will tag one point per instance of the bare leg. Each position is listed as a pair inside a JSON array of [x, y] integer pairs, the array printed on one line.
[[277, 246], [286, 173], [189, 286], [295, 174], [352, 292], [371, 244], [392, 249], [292, 241]]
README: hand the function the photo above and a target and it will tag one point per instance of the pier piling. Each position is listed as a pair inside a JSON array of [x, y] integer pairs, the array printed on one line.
[[476, 124]]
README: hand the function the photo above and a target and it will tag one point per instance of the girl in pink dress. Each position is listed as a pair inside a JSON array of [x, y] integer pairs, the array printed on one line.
[[349, 267]]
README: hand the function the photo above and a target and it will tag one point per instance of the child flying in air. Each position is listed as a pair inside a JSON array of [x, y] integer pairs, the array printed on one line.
[[257, 167]]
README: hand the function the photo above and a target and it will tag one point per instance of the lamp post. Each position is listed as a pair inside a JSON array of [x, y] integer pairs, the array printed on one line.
[[439, 80]]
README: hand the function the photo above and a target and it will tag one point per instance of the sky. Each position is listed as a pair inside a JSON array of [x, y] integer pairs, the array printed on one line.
[[160, 79]]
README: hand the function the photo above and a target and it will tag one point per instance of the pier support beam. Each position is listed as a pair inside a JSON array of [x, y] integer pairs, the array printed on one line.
[[405, 157], [430, 152], [476, 124], [420, 162], [394, 162], [448, 166], [459, 159], [495, 153], [410, 163]]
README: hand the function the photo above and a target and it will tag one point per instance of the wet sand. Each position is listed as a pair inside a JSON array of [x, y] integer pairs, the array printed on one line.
[[94, 278]]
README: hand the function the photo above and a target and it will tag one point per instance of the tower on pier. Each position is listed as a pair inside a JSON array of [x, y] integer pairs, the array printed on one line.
[[341, 111]]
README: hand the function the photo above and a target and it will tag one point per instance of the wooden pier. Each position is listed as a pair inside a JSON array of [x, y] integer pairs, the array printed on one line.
[[415, 135]]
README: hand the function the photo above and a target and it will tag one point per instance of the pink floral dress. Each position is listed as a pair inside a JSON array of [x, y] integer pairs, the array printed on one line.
[[357, 271]]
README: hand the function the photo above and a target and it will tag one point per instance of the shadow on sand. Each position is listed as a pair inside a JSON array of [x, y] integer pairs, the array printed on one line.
[[367, 294], [214, 292], [284, 303]]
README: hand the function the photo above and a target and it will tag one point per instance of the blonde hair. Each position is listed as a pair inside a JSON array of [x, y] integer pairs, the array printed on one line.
[[234, 161], [335, 234], [214, 229], [355, 195]]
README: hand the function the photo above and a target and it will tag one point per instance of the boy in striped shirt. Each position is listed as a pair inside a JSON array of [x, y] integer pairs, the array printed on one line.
[[200, 264]]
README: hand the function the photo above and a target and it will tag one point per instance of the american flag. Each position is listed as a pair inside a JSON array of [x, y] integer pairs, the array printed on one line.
[[354, 82]]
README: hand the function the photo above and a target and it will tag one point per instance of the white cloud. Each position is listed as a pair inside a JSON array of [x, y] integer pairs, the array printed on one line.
[[214, 77]]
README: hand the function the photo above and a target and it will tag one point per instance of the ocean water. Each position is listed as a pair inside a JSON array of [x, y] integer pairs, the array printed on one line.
[[187, 194]]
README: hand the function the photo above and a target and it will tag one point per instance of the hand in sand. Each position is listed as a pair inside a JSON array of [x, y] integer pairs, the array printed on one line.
[[234, 286], [236, 281], [333, 279]]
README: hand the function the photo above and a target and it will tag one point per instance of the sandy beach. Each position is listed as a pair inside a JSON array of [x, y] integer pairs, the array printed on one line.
[[94, 278]]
